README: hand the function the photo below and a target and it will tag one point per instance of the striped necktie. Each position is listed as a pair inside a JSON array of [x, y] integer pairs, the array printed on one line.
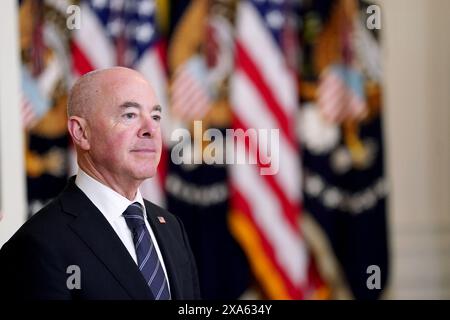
[[147, 257]]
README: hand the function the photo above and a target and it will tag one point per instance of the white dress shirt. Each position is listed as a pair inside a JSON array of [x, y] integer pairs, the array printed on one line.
[[112, 205]]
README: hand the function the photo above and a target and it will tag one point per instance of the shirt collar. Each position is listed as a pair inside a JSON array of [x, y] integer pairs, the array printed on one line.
[[108, 201]]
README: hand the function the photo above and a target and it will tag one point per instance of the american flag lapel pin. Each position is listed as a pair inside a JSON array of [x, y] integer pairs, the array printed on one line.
[[161, 219]]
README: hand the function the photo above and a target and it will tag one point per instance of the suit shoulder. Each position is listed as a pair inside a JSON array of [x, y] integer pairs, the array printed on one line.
[[45, 224]]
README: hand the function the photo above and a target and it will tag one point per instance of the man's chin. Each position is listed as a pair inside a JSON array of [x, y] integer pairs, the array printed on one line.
[[146, 174]]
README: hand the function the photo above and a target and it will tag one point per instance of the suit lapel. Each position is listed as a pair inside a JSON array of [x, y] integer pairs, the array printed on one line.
[[163, 238], [96, 232]]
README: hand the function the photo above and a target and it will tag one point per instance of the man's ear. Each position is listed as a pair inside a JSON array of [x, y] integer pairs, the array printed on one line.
[[78, 130]]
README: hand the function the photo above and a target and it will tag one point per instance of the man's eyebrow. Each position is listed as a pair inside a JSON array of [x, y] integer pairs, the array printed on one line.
[[131, 104]]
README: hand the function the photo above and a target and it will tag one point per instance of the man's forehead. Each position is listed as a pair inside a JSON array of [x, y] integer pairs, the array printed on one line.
[[121, 91]]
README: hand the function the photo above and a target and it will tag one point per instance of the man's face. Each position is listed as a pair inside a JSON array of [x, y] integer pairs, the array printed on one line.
[[125, 134]]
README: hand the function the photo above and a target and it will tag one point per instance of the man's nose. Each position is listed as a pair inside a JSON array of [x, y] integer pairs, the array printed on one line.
[[148, 128]]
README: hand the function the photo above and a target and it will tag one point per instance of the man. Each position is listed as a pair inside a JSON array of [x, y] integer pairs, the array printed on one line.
[[99, 239]]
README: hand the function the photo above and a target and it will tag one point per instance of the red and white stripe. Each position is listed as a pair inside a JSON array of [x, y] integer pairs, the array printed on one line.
[[91, 47], [331, 97], [336, 100], [264, 96], [28, 115], [189, 96]]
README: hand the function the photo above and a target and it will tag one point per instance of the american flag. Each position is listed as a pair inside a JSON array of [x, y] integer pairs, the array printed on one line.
[[190, 86], [36, 92], [119, 32], [266, 208], [341, 94], [161, 219], [190, 97]]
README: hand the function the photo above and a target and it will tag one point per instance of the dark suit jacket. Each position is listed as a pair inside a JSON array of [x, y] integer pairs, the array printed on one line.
[[72, 231]]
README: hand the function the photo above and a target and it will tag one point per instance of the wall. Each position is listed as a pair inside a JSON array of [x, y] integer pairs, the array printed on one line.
[[12, 175], [417, 73]]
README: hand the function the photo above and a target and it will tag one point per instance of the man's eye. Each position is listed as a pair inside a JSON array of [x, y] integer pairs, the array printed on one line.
[[156, 117], [130, 115]]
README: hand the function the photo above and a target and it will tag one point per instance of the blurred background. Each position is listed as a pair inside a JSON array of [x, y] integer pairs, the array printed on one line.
[[359, 91]]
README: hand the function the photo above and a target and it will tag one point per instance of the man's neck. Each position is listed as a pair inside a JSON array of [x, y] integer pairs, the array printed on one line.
[[127, 189]]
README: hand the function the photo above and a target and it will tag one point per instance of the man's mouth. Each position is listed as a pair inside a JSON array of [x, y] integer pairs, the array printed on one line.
[[144, 150]]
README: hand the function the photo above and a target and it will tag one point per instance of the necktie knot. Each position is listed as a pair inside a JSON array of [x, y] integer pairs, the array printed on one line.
[[134, 216]]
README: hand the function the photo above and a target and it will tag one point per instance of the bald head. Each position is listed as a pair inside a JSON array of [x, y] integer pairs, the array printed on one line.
[[93, 86]]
